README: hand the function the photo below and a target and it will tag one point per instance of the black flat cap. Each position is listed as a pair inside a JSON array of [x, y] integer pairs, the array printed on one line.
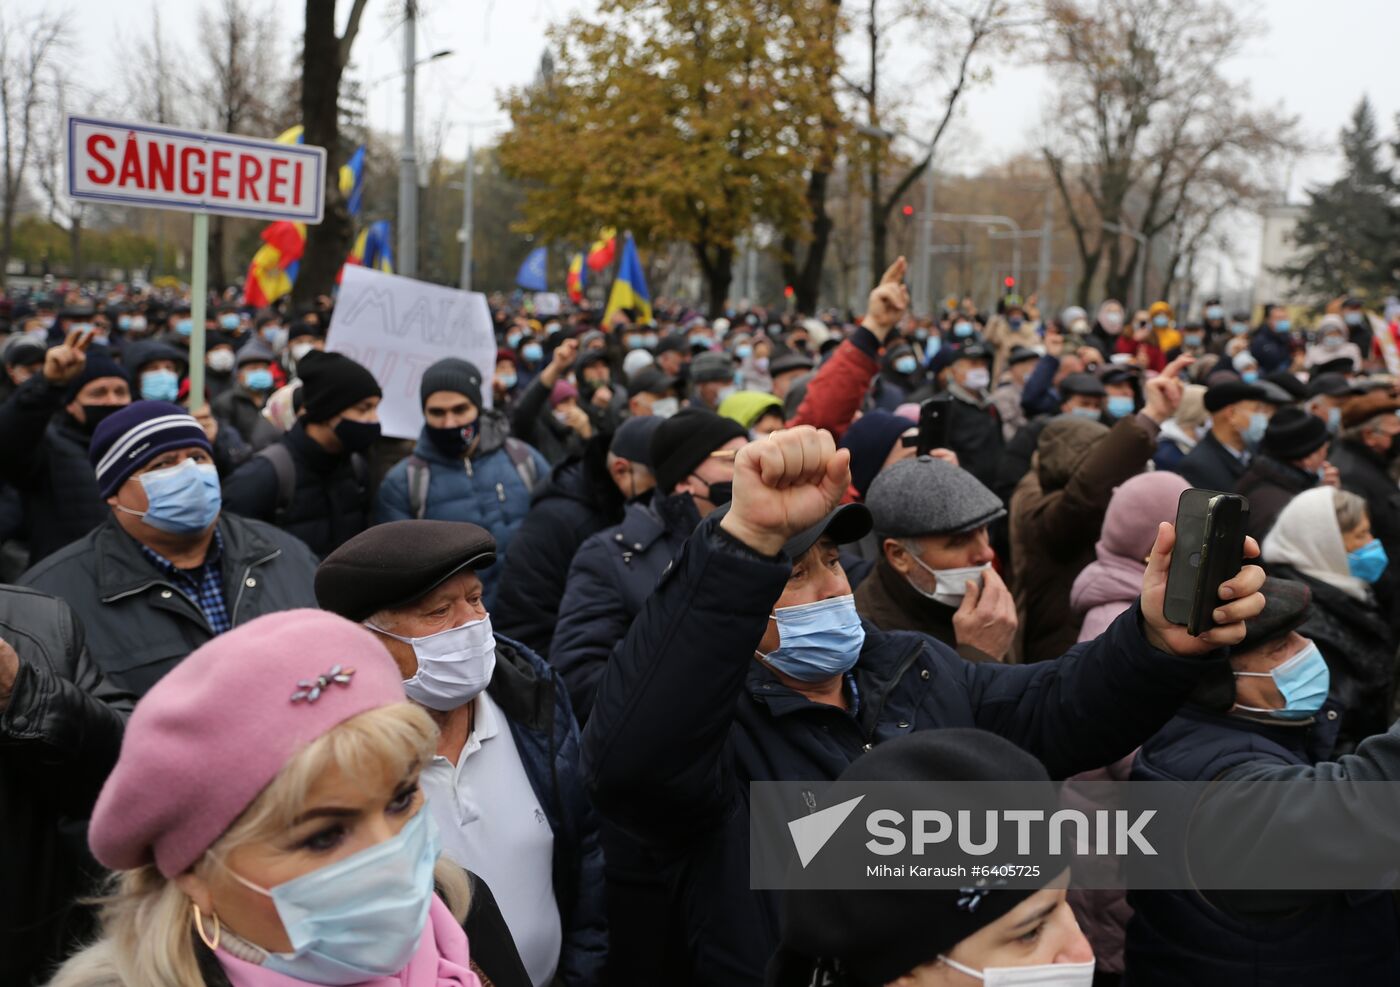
[[1021, 354], [673, 344], [1285, 608], [789, 361], [848, 523], [1274, 394], [1332, 385], [1085, 384], [1341, 365], [1295, 388], [651, 380], [1231, 392], [1294, 434], [391, 565], [1119, 375]]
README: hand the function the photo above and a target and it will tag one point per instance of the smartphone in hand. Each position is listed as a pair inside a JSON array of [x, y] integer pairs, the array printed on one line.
[[1210, 532], [934, 423]]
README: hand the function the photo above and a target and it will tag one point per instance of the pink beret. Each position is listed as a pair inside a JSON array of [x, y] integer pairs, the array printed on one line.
[[219, 727]]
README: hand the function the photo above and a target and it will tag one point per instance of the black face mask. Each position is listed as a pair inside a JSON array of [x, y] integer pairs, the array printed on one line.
[[454, 441], [356, 436], [721, 493], [95, 414]]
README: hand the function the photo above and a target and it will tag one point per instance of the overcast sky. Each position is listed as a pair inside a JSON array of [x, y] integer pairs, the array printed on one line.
[[1316, 61]]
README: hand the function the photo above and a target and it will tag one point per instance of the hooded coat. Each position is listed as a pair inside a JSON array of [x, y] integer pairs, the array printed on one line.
[[1056, 515], [1111, 583]]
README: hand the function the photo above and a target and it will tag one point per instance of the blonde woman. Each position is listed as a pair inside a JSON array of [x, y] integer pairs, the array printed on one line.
[[266, 826]]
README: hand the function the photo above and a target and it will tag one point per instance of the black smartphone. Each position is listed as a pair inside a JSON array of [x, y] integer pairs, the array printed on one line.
[[1210, 531], [934, 423]]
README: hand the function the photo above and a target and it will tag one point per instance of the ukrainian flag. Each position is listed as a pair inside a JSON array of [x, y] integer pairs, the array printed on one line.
[[629, 290]]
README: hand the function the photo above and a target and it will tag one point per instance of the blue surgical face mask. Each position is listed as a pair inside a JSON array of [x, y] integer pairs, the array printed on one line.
[[1334, 420], [258, 380], [513, 339], [533, 352], [160, 385], [123, 322], [1250, 376], [905, 364], [1193, 339], [636, 342], [1254, 431], [229, 321], [1092, 414], [934, 344], [743, 351], [1215, 311], [184, 327], [181, 500], [921, 334], [1238, 328], [507, 380], [1353, 318], [817, 641], [962, 329], [361, 917], [1120, 406], [1283, 325], [1303, 681], [1368, 562], [276, 337], [1160, 321]]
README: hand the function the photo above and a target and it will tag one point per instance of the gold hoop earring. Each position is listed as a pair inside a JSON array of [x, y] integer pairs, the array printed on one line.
[[199, 927]]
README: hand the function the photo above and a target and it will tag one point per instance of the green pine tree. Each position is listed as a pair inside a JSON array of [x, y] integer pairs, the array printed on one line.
[[1348, 233]]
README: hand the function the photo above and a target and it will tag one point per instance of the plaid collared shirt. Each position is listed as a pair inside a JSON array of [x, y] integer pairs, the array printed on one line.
[[204, 585]]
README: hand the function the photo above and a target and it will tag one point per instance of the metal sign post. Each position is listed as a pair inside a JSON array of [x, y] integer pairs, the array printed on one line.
[[157, 167]]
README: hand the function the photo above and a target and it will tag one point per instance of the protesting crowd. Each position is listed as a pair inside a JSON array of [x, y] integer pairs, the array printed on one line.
[[285, 701]]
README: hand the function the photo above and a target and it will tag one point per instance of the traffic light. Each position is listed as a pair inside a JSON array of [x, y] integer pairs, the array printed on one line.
[[1010, 282], [908, 211], [788, 291]]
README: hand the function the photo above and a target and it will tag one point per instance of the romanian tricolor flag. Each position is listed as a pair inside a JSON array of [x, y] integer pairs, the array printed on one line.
[[273, 269], [604, 249], [577, 279], [629, 290]]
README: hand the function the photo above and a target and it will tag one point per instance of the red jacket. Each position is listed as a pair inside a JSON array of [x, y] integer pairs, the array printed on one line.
[[835, 394]]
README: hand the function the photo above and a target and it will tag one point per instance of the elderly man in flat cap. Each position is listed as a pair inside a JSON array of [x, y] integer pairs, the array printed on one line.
[[1239, 414], [935, 571], [505, 787]]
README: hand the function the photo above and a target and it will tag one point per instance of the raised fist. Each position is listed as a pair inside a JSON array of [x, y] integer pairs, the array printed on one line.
[[784, 484]]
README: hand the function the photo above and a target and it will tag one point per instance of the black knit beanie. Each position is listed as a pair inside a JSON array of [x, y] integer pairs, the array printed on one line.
[[683, 442], [451, 374], [332, 382]]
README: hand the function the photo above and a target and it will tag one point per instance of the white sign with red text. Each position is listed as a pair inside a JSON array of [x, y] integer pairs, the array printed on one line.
[[397, 327], [144, 164]]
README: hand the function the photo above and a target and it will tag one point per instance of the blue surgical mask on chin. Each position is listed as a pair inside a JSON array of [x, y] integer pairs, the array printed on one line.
[[1120, 405], [361, 917], [181, 500], [817, 641], [1302, 680]]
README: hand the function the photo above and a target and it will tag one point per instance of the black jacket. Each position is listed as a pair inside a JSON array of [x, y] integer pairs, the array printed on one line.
[[330, 502], [579, 499], [1270, 484], [611, 577], [1211, 465], [139, 626], [1265, 939], [59, 737], [975, 435], [1360, 650], [685, 719], [532, 421], [236, 406], [44, 454], [1367, 474]]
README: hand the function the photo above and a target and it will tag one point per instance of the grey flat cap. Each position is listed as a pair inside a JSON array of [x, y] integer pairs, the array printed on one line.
[[927, 496], [710, 366]]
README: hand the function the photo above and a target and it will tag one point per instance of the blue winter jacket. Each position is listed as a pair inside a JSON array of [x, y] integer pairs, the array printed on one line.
[[1261, 938], [486, 488], [684, 719], [536, 705]]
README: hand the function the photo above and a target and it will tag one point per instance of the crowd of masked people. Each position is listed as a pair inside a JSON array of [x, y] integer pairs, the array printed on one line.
[[287, 701]]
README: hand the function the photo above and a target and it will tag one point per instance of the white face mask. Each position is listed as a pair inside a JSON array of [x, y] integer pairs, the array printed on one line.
[[454, 665], [665, 407], [300, 350], [951, 585], [977, 379], [221, 360], [1042, 975]]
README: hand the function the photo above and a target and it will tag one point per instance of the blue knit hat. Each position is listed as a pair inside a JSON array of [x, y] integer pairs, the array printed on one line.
[[870, 439], [129, 439], [98, 365]]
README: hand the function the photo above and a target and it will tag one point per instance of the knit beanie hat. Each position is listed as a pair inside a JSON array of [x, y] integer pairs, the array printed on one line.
[[684, 441], [876, 935], [332, 382], [1294, 434], [452, 374], [130, 438], [870, 439], [98, 365], [265, 690], [254, 351], [561, 392]]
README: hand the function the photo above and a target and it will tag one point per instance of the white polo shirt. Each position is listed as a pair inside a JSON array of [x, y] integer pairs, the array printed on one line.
[[493, 825]]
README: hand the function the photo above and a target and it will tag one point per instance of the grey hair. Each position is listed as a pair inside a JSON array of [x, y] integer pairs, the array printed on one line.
[[1351, 509]]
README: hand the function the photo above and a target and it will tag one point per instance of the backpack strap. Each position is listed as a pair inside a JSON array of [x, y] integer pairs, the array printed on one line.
[[281, 459], [419, 473], [521, 456]]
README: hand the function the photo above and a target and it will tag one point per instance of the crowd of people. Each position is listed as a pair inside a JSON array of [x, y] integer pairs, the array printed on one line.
[[284, 700]]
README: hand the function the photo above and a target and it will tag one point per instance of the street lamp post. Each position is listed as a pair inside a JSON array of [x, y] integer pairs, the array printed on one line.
[[408, 163], [468, 202]]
